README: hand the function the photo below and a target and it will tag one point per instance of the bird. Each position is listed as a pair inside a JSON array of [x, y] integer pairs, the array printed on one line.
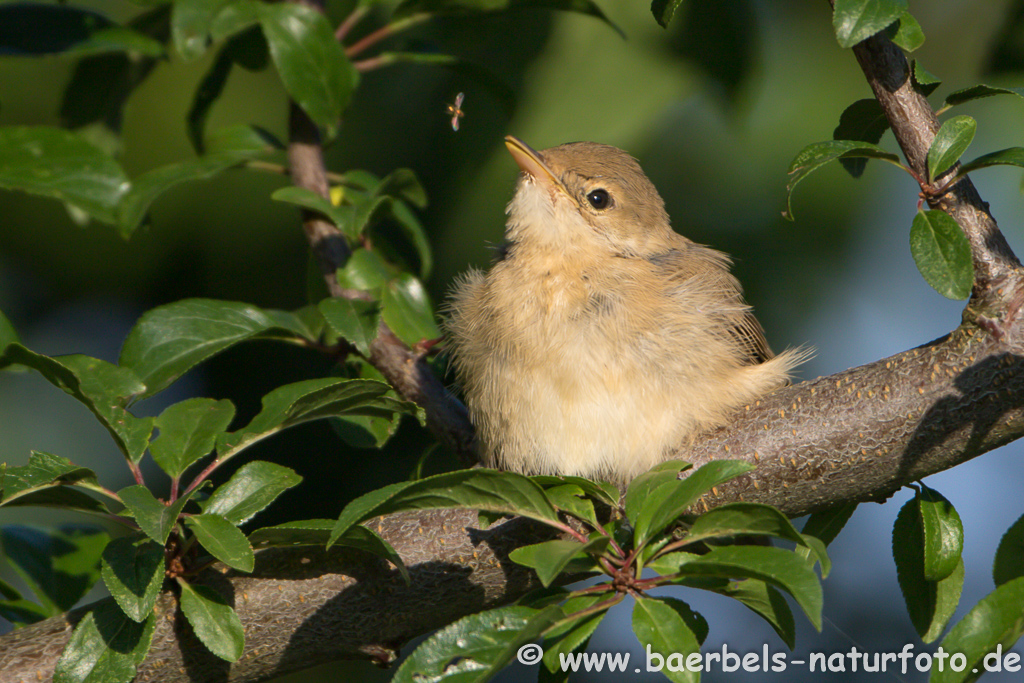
[[601, 342]]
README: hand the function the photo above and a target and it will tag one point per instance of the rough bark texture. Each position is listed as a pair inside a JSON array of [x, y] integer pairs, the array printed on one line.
[[888, 423]]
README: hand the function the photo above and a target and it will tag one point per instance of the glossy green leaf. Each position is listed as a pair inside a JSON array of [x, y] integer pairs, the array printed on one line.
[[930, 604], [311, 62], [315, 399], [318, 532], [569, 498], [42, 472], [480, 489], [780, 568], [58, 565], [223, 540], [602, 491], [105, 647], [1013, 156], [863, 121], [942, 254], [105, 389], [993, 625], [979, 91], [766, 602], [659, 625], [190, 25], [133, 571], [410, 7], [909, 35], [56, 163], [857, 20], [8, 335], [664, 10], [366, 271], [35, 29], [249, 490], [642, 486], [236, 17], [150, 185], [816, 155], [154, 518], [21, 611], [342, 216], [743, 519], [355, 321], [670, 500], [476, 647], [943, 534], [548, 559], [827, 524], [167, 341], [924, 81], [1009, 562], [571, 634], [408, 311], [950, 143], [188, 431], [213, 620]]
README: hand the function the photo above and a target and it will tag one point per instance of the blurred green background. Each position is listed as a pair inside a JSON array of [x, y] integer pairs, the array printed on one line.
[[715, 129]]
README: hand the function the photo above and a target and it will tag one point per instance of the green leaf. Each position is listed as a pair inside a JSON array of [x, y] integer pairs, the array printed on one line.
[[743, 519], [642, 486], [366, 431], [342, 216], [311, 62], [942, 254], [56, 163], [410, 7], [670, 500], [950, 143], [407, 310], [355, 321], [943, 534], [223, 540], [314, 399], [569, 498], [58, 565], [863, 121], [249, 490], [930, 604], [213, 620], [190, 25], [150, 185], [857, 20], [167, 341], [979, 91], [365, 270], [8, 335], [154, 518], [659, 624], [909, 35], [664, 10], [816, 155], [133, 571], [105, 389], [993, 625], [21, 612], [476, 647], [602, 491], [188, 431], [105, 647], [36, 29], [548, 559], [766, 602], [924, 81], [318, 532], [827, 524], [480, 489], [573, 632], [1013, 156], [781, 568], [43, 471], [1009, 562]]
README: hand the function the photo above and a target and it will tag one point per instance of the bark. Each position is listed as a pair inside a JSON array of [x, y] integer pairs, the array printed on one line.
[[888, 423]]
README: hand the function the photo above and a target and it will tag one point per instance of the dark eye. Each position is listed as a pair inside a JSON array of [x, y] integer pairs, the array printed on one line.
[[599, 199]]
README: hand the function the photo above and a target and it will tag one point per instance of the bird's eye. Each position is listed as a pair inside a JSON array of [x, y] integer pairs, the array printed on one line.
[[599, 199]]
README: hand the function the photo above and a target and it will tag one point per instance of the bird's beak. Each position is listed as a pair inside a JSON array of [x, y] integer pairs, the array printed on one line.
[[532, 163]]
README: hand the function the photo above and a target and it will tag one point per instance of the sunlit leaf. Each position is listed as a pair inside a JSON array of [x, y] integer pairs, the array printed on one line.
[[189, 431], [1009, 562], [249, 490], [105, 647], [857, 20], [995, 624], [942, 254], [659, 625], [816, 155], [154, 517], [213, 620], [223, 540], [951, 141], [548, 559]]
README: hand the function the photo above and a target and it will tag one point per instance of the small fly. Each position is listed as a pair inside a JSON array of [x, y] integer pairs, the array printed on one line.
[[456, 110]]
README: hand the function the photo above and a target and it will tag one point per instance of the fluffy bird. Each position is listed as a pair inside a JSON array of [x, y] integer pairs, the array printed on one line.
[[601, 342]]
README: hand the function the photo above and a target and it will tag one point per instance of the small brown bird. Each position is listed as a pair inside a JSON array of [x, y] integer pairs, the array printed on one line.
[[601, 342]]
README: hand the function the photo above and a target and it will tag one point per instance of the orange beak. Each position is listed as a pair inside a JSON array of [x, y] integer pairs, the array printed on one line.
[[531, 162]]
